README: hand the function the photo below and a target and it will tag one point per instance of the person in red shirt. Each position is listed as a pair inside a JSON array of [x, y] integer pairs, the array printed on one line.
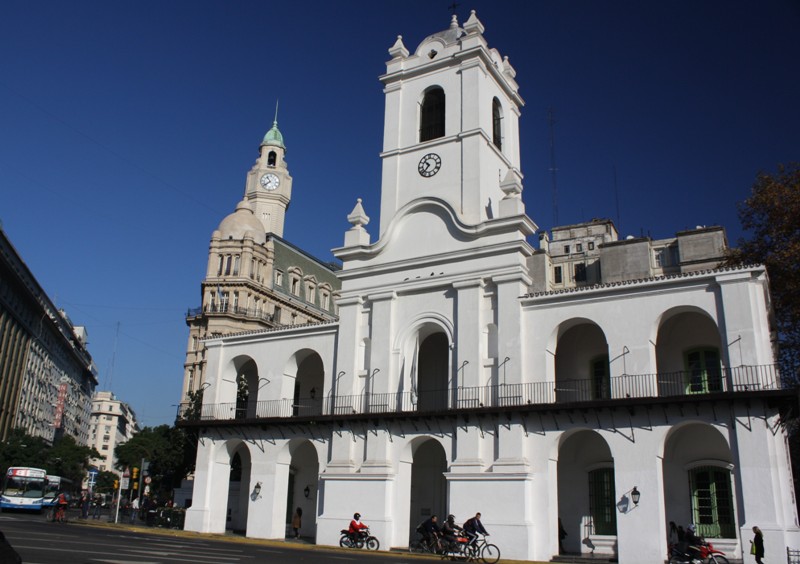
[[356, 526]]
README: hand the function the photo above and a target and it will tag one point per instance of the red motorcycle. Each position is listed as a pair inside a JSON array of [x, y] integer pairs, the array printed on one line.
[[707, 554]]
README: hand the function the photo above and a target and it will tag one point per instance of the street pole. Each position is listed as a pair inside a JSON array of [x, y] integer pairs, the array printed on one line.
[[116, 515]]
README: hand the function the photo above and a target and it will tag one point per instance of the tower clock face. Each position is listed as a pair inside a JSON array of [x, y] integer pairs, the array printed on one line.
[[269, 181], [429, 165]]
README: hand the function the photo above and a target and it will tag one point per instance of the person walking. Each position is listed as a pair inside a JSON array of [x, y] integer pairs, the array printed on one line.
[[297, 522], [757, 548], [134, 509]]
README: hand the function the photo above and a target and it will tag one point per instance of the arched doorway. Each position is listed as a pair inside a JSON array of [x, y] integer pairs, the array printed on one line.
[[428, 483], [305, 374], [433, 368], [689, 354], [302, 490], [582, 368], [238, 490], [698, 480], [586, 493], [246, 387]]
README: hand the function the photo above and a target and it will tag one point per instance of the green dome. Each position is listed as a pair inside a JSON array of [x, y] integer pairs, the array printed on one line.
[[274, 137]]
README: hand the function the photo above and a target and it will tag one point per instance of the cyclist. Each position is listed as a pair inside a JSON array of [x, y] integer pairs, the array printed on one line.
[[61, 507], [473, 526], [450, 531], [356, 526], [430, 531]]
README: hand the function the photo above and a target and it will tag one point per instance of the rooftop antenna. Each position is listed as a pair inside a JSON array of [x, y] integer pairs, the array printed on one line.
[[275, 121], [616, 197], [553, 169]]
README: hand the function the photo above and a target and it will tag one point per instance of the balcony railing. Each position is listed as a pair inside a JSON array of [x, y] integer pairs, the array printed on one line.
[[562, 391], [248, 312]]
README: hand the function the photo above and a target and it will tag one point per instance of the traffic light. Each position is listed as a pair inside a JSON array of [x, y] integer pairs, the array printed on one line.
[[135, 473], [116, 484]]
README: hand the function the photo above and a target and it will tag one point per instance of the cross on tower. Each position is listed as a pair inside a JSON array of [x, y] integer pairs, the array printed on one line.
[[453, 7]]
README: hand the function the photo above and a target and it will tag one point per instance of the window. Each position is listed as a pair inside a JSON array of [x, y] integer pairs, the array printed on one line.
[[591, 245], [236, 260], [223, 301], [295, 286], [235, 301], [227, 265], [558, 277], [703, 374], [278, 278], [277, 315], [310, 293], [601, 379], [272, 157], [194, 343], [105, 447], [580, 272], [566, 249], [602, 501], [252, 268], [579, 248], [497, 122], [324, 300], [712, 502], [431, 121], [221, 264]]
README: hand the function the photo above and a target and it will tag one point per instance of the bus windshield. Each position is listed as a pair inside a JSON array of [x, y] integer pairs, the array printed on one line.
[[24, 482]]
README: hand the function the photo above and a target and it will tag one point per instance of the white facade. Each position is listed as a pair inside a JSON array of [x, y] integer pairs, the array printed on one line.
[[456, 380], [113, 423]]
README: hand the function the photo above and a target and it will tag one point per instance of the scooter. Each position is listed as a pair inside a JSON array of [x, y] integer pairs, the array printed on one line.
[[707, 555]]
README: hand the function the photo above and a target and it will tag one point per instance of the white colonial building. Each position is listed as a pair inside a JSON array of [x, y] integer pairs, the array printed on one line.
[[469, 371]]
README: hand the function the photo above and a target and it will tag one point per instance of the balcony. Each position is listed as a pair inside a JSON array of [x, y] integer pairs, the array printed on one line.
[[627, 389], [227, 309]]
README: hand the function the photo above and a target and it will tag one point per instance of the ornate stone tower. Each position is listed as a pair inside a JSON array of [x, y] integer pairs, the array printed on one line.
[[269, 186], [451, 126]]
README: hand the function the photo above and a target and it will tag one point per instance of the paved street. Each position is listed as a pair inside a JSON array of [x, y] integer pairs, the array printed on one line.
[[40, 542]]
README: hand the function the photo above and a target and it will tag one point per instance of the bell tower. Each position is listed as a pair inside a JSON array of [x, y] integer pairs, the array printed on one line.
[[269, 186], [451, 126]]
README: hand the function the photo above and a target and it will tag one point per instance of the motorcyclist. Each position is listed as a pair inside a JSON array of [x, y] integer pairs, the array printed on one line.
[[356, 526], [450, 531], [694, 542]]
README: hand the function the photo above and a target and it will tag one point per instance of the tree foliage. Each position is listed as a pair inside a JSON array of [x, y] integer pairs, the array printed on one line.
[[64, 458], [771, 216], [164, 447]]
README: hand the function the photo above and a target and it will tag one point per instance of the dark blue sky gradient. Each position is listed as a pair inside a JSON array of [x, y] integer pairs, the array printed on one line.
[[127, 128]]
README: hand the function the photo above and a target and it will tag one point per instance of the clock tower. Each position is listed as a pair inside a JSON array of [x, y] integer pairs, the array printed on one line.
[[269, 186], [451, 127]]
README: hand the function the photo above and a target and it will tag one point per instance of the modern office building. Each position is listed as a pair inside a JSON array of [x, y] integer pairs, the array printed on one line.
[[113, 423], [47, 376]]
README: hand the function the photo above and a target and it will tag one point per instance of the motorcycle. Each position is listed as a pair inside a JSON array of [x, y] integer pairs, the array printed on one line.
[[359, 539], [707, 555]]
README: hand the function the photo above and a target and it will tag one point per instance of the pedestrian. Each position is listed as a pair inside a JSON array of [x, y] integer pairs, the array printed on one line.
[[97, 503], [134, 509], [757, 545], [85, 503], [562, 534], [297, 522]]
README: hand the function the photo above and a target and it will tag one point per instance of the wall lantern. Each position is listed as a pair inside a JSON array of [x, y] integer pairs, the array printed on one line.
[[257, 490], [635, 495], [313, 394], [307, 492]]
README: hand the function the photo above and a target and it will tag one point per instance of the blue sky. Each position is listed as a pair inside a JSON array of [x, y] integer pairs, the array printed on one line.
[[127, 128]]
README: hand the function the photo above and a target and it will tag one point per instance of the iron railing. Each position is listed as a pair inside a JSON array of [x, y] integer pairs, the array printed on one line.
[[562, 391], [248, 312]]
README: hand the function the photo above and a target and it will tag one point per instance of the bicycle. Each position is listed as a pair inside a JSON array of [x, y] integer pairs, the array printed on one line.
[[421, 546], [481, 550], [56, 513]]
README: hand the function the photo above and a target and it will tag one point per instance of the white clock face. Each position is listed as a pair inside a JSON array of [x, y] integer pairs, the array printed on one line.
[[269, 181], [429, 165]]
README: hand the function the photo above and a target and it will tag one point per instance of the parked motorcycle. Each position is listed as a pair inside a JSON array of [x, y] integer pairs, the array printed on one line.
[[707, 554], [359, 540]]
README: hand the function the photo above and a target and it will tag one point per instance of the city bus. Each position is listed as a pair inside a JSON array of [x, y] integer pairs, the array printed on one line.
[[23, 488], [54, 485]]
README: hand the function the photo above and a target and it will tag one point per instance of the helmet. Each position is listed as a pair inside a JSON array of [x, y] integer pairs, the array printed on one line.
[[690, 528], [356, 516], [451, 518]]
